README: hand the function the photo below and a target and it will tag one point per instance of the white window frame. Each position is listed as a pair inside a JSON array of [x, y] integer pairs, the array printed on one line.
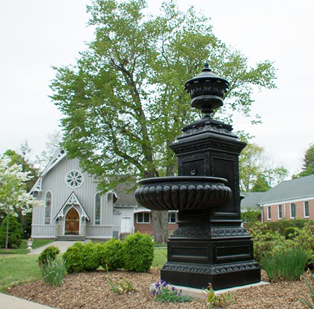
[[291, 210], [78, 174], [99, 209], [308, 205], [268, 212], [46, 207], [279, 207], [143, 218], [175, 217]]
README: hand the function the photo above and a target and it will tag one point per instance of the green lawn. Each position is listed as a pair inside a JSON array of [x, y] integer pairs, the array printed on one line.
[[22, 250], [17, 269]]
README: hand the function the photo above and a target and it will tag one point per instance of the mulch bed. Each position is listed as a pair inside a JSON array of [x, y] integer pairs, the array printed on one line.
[[91, 291]]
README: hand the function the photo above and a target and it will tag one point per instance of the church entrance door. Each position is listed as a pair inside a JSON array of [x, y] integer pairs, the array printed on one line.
[[72, 222]]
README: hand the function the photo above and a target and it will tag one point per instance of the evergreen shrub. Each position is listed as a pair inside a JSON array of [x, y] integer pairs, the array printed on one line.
[[15, 232], [91, 256], [48, 254], [74, 258], [111, 254], [138, 252], [281, 225]]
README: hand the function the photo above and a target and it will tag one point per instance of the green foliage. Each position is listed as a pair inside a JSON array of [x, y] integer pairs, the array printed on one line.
[[138, 252], [48, 255], [288, 265], [73, 257], [281, 225], [53, 271], [250, 216], [308, 165], [168, 294], [291, 232], [121, 287], [91, 256], [128, 123], [111, 254], [309, 283], [15, 232], [257, 172], [222, 300], [264, 240]]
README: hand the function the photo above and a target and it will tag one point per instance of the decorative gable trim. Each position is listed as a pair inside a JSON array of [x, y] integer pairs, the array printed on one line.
[[72, 200], [58, 156], [38, 186]]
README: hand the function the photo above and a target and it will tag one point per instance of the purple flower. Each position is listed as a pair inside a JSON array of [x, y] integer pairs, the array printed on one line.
[[173, 288], [153, 292], [159, 292], [163, 283], [157, 285]]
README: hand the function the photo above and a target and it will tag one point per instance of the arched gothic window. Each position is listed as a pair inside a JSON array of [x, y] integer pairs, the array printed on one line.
[[97, 209], [48, 207]]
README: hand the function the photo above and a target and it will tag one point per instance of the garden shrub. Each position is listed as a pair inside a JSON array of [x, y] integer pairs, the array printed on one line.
[[74, 260], [48, 254], [53, 271], [138, 252], [291, 232], [281, 225], [91, 257], [265, 241], [15, 232], [111, 255], [287, 265]]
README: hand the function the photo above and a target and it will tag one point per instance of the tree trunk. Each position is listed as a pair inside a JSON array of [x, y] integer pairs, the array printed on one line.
[[160, 223], [7, 233]]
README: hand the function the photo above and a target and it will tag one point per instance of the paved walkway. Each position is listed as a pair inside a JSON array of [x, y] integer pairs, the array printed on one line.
[[62, 245], [11, 302]]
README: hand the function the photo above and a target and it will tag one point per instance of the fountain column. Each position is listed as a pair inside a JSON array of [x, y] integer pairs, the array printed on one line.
[[209, 246]]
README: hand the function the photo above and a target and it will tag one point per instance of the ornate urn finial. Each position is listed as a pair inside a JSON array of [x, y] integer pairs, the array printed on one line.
[[207, 90]]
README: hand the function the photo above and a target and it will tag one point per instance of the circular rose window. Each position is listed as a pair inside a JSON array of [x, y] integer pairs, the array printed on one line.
[[74, 179]]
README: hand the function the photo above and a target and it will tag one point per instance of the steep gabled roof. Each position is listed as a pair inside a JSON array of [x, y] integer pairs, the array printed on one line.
[[290, 190], [59, 155], [72, 200], [125, 198]]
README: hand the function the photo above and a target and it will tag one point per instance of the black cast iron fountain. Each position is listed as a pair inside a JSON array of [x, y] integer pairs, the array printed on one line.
[[209, 246]]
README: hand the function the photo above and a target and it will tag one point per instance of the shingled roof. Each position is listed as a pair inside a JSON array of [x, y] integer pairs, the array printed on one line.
[[126, 197], [251, 200], [290, 190]]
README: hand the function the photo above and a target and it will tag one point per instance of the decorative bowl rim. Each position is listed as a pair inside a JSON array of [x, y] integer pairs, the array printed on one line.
[[176, 179]]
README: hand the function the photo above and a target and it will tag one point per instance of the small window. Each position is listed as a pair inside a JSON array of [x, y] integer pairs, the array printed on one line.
[[143, 217], [279, 211], [306, 210], [97, 209], [268, 213], [48, 207], [292, 210], [171, 217]]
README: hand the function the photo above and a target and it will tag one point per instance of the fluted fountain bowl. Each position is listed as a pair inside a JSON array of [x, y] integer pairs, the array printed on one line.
[[183, 193]]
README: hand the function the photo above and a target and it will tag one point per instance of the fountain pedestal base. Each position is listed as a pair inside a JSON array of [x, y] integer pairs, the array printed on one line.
[[219, 258]]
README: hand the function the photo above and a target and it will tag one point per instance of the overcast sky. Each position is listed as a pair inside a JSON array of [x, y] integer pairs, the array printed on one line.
[[38, 34]]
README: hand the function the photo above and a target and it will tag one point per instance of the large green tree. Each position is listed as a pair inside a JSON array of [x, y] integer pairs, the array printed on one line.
[[123, 102]]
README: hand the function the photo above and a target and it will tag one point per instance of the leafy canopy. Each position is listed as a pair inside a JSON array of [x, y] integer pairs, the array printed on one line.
[[123, 102], [308, 165]]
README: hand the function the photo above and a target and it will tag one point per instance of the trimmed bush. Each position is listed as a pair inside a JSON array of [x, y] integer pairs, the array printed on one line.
[[291, 232], [49, 254], [74, 260], [138, 252], [111, 254], [281, 225], [15, 232], [287, 265], [91, 257]]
